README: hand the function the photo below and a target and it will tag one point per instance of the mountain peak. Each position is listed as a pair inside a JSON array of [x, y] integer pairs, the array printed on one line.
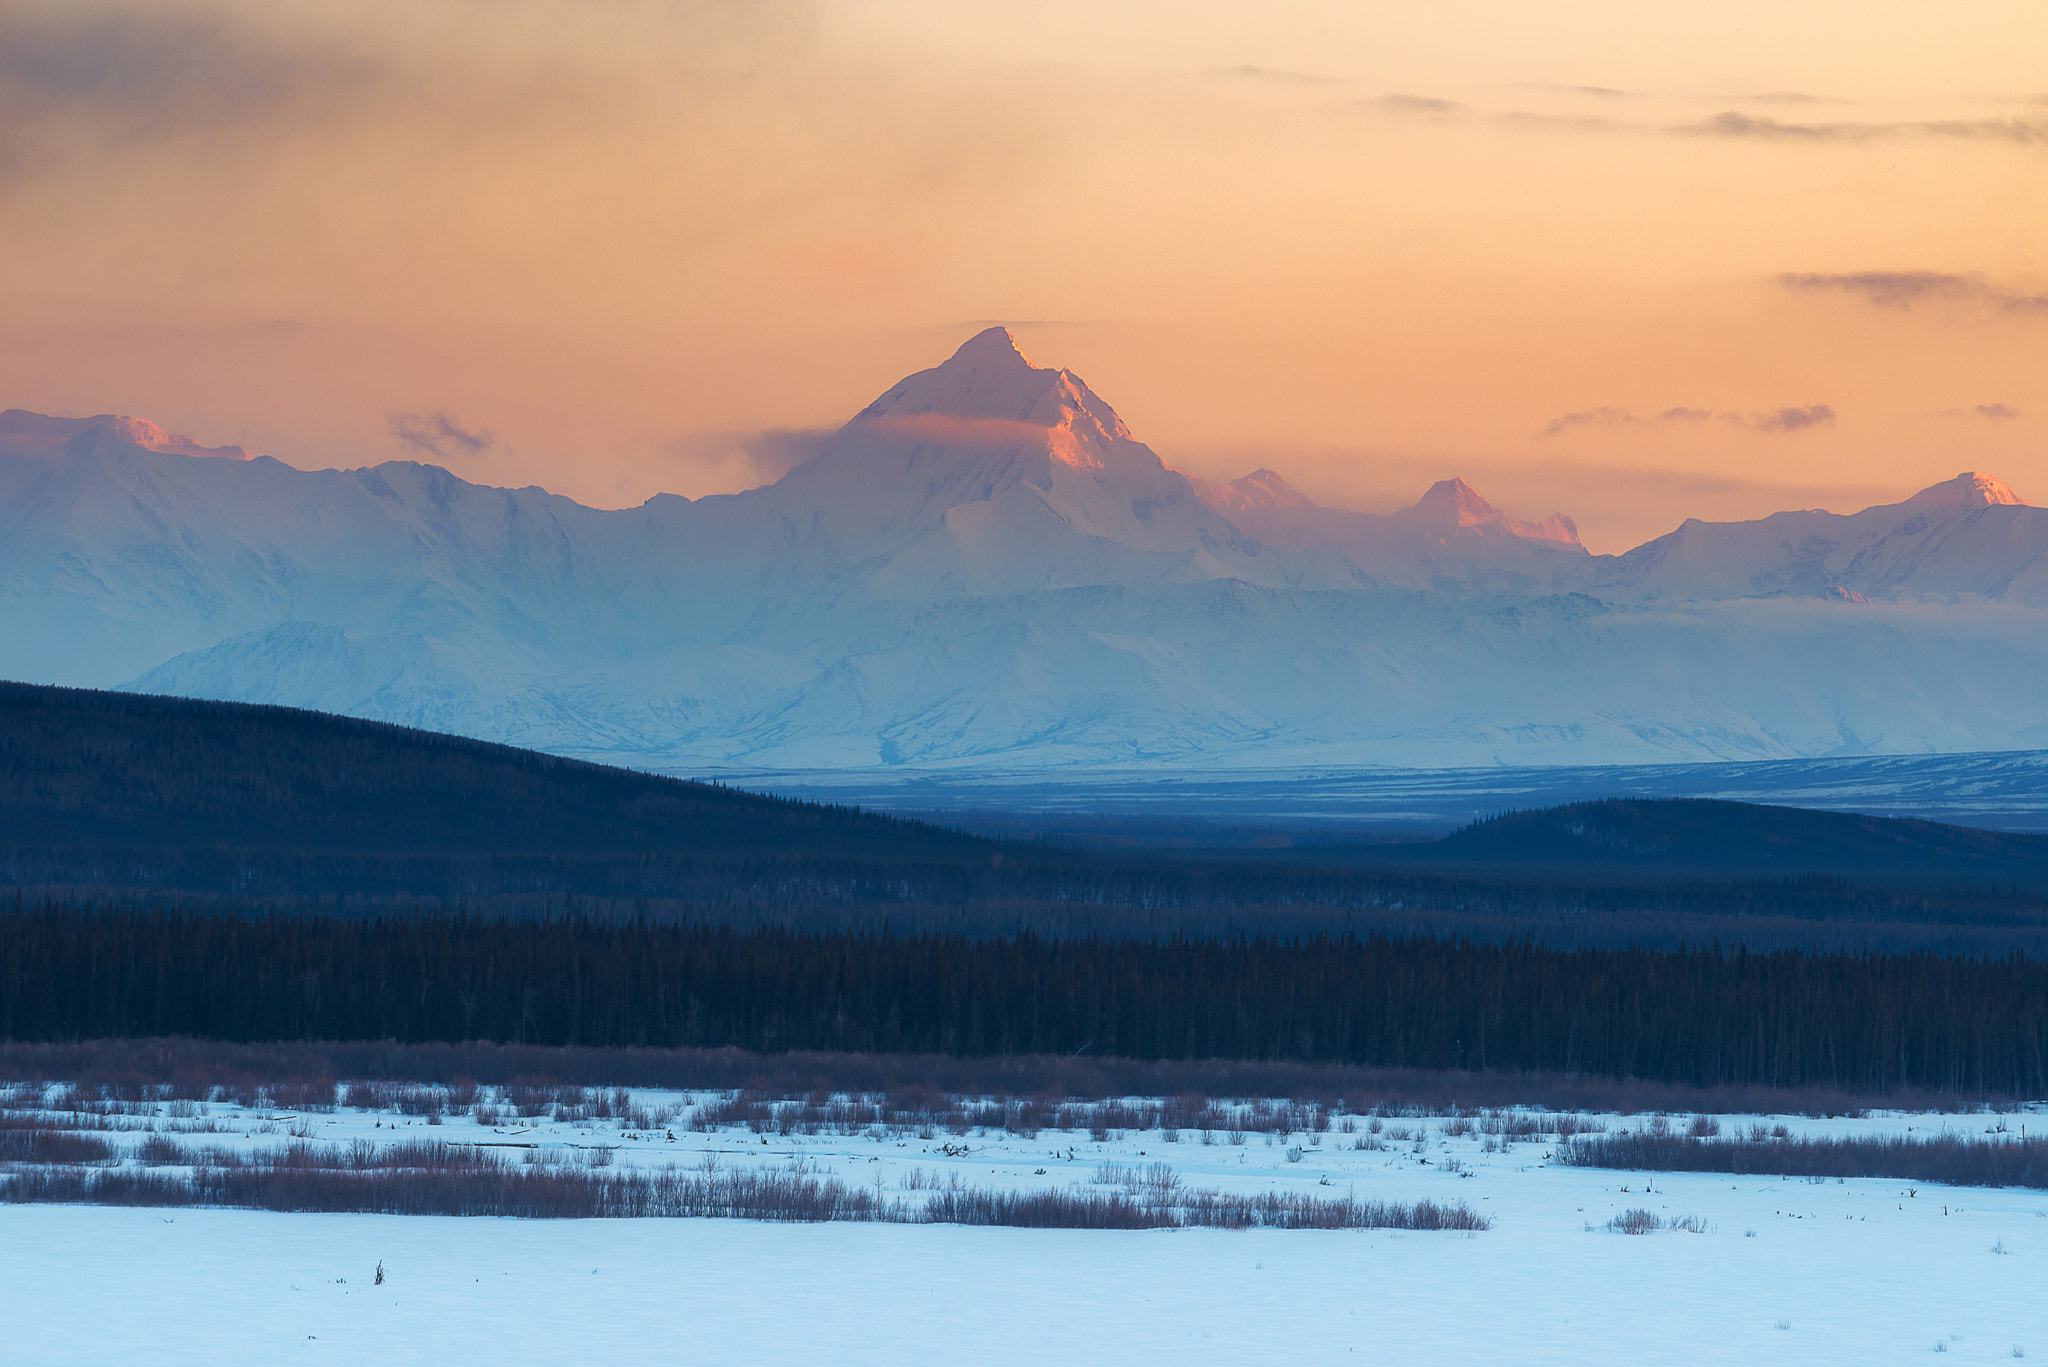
[[23, 433], [987, 392], [1455, 502], [1967, 490], [990, 349], [1452, 505], [1261, 489]]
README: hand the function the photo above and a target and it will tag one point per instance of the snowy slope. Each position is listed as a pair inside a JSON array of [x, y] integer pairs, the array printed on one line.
[[1453, 540], [1968, 537], [988, 474], [985, 567]]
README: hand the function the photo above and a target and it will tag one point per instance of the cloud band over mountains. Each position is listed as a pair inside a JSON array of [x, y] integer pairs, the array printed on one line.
[[1903, 289], [1776, 420], [1735, 124], [439, 434]]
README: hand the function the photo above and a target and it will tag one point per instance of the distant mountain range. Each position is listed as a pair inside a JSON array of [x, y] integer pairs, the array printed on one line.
[[984, 568]]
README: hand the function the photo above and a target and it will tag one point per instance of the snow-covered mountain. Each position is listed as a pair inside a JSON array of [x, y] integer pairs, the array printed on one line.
[[1967, 537], [26, 434], [1452, 540], [989, 474], [985, 567]]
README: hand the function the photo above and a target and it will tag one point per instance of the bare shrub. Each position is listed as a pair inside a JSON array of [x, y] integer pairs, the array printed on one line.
[[192, 1070], [105, 1187], [433, 1178], [160, 1151], [1298, 1210], [312, 1095], [41, 1145], [1635, 1221], [1044, 1210], [1951, 1159], [419, 1101]]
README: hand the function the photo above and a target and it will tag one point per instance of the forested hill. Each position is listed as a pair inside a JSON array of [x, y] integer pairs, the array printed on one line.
[[1740, 837], [111, 799], [85, 769]]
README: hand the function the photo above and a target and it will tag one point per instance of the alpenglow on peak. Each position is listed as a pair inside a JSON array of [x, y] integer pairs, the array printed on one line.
[[992, 349], [1974, 490], [989, 381]]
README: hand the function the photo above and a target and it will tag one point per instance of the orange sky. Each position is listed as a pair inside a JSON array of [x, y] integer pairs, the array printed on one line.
[[630, 247]]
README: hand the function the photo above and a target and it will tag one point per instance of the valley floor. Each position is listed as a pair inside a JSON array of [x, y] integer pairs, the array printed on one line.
[[1859, 1271]]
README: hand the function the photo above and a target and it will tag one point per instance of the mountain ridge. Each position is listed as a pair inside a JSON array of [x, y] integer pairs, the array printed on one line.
[[985, 566]]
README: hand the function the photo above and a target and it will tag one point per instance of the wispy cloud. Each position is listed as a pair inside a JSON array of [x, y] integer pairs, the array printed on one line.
[[723, 461], [1598, 92], [1588, 417], [1792, 419], [1991, 412], [1273, 73], [140, 77], [1568, 123], [1414, 104], [439, 434], [1788, 419], [1903, 289], [1735, 124], [82, 84], [1792, 97]]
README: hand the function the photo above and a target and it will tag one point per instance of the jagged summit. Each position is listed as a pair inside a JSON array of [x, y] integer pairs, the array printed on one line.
[[1261, 489], [989, 380], [23, 433], [1452, 505], [991, 348], [1455, 503], [987, 470], [1967, 537], [987, 394], [1967, 490]]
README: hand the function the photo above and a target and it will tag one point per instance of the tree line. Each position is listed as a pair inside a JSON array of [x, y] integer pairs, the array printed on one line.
[[1863, 1022]]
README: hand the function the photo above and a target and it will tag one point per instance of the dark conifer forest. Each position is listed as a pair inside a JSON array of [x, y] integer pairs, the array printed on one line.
[[1869, 1023], [177, 868]]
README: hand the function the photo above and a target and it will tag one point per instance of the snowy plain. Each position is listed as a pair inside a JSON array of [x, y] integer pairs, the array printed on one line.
[[1788, 1270]]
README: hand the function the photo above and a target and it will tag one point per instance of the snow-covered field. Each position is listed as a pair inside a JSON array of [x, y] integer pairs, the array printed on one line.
[[1787, 1270]]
